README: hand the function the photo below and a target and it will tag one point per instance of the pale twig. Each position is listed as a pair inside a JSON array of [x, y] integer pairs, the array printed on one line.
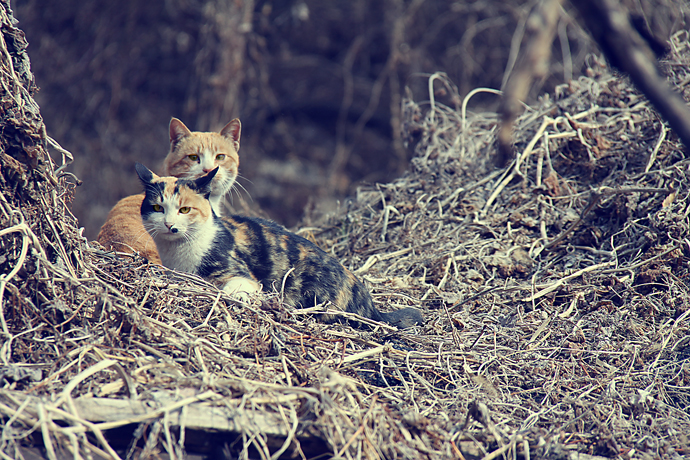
[[380, 258], [515, 42], [291, 431], [154, 414], [652, 156], [211, 310], [284, 281], [641, 263], [5, 278], [67, 157], [83, 375], [168, 443], [84, 425], [515, 168], [463, 116], [564, 280], [44, 423]]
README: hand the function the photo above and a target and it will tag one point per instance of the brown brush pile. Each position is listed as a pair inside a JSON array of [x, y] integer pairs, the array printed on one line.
[[555, 296]]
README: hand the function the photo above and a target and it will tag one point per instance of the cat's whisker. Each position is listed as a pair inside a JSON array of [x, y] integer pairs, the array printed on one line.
[[227, 189], [154, 234], [240, 176], [237, 185], [233, 191], [144, 235]]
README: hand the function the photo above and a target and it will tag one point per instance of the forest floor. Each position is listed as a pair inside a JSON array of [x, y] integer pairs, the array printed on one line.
[[555, 295]]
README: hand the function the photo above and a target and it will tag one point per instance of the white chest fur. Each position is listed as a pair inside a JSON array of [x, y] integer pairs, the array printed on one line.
[[186, 250], [217, 203]]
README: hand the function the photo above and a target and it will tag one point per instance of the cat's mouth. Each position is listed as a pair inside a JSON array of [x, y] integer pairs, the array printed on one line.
[[170, 233]]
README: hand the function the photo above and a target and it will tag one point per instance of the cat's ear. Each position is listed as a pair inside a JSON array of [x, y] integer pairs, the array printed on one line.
[[203, 184], [232, 132], [178, 131], [144, 173]]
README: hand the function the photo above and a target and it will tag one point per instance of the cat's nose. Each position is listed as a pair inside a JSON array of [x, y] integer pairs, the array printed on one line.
[[171, 227]]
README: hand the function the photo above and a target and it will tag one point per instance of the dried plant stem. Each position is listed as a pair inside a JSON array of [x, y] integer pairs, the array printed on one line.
[[564, 280]]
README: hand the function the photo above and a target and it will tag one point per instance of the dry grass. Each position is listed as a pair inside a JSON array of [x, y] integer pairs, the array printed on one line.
[[555, 296]]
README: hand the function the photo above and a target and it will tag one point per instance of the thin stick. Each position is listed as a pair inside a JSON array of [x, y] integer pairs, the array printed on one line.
[[5, 278], [516, 164], [652, 157], [85, 424], [562, 281], [43, 421], [83, 375]]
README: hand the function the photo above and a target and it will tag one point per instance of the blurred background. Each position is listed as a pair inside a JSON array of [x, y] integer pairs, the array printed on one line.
[[317, 84]]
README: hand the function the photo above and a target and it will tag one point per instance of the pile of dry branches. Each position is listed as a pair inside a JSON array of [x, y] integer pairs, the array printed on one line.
[[554, 291]]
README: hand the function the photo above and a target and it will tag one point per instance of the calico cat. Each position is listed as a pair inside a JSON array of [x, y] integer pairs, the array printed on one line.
[[242, 255], [191, 155]]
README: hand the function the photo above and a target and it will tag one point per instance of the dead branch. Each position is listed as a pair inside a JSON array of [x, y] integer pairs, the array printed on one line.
[[609, 24]]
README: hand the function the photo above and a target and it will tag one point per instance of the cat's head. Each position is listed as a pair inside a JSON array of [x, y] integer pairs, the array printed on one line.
[[175, 208], [194, 154]]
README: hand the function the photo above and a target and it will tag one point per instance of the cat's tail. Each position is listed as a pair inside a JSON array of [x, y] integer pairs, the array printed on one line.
[[403, 318], [360, 302]]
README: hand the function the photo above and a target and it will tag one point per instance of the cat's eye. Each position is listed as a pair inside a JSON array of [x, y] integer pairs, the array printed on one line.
[[185, 209], [220, 157], [193, 157], [157, 208]]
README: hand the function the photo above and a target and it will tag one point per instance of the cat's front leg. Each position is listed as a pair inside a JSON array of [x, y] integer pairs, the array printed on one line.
[[241, 288]]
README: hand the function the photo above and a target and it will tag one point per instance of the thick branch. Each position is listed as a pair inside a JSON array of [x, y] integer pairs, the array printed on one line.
[[623, 46]]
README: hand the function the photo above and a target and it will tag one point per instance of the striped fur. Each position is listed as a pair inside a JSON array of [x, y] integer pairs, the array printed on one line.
[[244, 254]]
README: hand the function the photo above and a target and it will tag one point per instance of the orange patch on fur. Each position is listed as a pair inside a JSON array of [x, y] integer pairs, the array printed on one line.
[[303, 252], [201, 208], [343, 297], [242, 238], [123, 230]]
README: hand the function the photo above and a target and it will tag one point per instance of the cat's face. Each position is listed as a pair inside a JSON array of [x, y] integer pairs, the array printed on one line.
[[195, 154], [175, 208]]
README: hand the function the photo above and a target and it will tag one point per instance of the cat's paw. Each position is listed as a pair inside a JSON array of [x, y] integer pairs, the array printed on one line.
[[241, 296], [241, 288]]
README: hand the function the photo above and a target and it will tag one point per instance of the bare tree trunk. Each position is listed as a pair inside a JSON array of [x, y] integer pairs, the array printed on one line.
[[534, 64], [220, 64]]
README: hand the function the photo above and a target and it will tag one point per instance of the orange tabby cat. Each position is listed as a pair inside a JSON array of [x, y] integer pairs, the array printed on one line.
[[192, 155]]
